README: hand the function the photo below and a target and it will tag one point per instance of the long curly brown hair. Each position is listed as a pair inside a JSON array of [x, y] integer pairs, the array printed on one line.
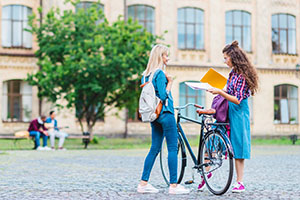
[[242, 65]]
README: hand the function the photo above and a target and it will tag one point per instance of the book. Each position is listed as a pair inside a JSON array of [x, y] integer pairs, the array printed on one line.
[[198, 86], [214, 79]]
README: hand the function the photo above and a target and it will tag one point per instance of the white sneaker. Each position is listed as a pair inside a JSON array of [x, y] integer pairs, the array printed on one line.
[[40, 148], [61, 149], [47, 148], [179, 189], [147, 189]]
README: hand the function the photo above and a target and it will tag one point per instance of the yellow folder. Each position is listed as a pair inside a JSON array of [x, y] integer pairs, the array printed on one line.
[[214, 78]]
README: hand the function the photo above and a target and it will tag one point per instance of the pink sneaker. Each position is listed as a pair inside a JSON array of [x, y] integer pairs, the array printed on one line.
[[202, 184], [238, 187]]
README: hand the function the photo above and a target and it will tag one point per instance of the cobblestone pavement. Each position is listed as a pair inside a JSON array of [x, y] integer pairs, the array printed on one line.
[[272, 173]]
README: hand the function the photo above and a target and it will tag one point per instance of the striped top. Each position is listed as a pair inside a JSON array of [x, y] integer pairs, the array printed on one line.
[[237, 86]]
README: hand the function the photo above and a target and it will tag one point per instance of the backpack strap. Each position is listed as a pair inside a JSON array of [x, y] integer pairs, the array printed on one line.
[[152, 75], [150, 78]]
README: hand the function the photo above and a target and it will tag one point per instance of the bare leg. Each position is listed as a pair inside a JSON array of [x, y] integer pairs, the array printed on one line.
[[239, 166], [173, 185], [143, 183]]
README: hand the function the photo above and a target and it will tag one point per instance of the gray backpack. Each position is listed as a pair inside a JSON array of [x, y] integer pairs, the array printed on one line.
[[148, 102]]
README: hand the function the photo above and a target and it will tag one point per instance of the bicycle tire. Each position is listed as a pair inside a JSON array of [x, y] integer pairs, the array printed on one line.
[[181, 161], [218, 155]]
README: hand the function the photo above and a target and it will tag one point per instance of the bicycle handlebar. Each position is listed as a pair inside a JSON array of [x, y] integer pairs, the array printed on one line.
[[189, 104]]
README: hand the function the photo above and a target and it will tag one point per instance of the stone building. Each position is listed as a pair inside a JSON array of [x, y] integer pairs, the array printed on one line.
[[197, 32]]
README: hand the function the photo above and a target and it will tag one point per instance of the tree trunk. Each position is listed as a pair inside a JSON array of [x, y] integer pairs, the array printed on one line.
[[90, 130], [126, 123]]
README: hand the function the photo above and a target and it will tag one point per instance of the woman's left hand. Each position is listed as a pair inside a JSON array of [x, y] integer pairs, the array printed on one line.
[[214, 90]]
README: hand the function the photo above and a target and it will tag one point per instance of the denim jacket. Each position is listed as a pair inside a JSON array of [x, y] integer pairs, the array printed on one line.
[[160, 82], [49, 120]]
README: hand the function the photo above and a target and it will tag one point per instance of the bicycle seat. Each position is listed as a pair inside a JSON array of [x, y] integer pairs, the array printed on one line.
[[206, 111]]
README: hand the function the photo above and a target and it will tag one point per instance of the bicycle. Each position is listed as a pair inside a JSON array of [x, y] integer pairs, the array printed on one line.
[[214, 162]]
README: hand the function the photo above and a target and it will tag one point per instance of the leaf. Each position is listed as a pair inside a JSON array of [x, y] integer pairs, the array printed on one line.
[[90, 65]]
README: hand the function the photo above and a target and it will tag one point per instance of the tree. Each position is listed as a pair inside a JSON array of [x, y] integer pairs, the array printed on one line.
[[88, 62]]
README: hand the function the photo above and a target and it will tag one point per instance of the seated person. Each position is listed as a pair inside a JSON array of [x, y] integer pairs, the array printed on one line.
[[51, 124], [37, 129]]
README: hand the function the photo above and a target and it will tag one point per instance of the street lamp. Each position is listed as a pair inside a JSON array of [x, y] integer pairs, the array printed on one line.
[[298, 67]]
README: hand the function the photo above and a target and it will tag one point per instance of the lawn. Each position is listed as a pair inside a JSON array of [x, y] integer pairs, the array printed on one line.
[[120, 143]]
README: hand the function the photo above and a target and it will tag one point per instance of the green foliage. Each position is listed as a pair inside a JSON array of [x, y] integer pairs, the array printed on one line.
[[95, 140], [88, 62]]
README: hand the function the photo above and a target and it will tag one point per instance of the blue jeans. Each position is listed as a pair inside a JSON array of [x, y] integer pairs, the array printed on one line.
[[37, 136], [164, 126]]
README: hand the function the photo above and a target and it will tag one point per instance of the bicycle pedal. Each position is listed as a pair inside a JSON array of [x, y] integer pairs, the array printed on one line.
[[189, 182]]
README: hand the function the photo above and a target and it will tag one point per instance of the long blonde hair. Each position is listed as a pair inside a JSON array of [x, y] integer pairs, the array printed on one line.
[[156, 58]]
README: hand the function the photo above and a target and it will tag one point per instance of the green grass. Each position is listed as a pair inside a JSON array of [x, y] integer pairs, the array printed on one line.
[[103, 143], [120, 143], [274, 141]]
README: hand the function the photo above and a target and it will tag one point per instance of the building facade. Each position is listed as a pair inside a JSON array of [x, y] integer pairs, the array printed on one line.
[[197, 31]]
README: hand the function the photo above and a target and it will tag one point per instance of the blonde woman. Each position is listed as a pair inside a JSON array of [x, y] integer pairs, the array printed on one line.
[[164, 125]]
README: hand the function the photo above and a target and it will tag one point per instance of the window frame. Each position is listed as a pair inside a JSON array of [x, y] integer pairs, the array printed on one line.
[[287, 30], [144, 22], [88, 4], [194, 24], [278, 98], [10, 103], [242, 27], [12, 20], [186, 96]]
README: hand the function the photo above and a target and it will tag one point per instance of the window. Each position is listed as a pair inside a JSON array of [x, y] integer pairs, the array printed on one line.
[[16, 101], [144, 15], [190, 28], [188, 95], [283, 34], [14, 21], [286, 104], [86, 5], [238, 27]]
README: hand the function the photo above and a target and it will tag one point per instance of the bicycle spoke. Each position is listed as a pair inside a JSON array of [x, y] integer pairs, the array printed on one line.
[[217, 167]]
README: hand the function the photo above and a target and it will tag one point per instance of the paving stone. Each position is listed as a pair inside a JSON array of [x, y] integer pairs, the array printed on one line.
[[272, 173]]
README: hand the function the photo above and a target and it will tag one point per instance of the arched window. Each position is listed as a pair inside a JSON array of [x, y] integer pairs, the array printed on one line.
[[14, 21], [144, 15], [87, 4], [16, 101], [188, 95], [283, 34], [285, 104], [238, 27], [190, 28]]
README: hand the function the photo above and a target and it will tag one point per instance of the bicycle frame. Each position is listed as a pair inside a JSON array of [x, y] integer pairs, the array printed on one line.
[[186, 142]]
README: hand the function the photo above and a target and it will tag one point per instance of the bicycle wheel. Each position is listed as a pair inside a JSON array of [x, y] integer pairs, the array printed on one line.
[[217, 163], [164, 161]]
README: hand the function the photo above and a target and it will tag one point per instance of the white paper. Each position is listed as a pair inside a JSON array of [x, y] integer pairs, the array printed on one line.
[[198, 86]]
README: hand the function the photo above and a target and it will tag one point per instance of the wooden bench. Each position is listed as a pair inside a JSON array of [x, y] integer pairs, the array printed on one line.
[[85, 139], [16, 137]]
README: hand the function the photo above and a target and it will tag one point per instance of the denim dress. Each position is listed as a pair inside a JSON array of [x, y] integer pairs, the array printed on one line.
[[239, 117]]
